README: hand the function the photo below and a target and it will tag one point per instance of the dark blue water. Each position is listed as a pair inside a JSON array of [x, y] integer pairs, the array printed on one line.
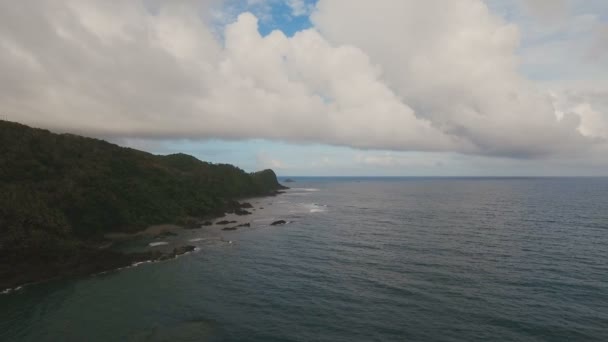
[[363, 260]]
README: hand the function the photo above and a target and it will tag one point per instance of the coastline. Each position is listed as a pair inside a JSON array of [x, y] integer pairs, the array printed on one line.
[[99, 257], [152, 230]]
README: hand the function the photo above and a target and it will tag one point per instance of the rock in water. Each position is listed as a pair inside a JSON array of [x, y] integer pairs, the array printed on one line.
[[230, 228], [279, 222], [224, 222], [241, 212], [183, 249]]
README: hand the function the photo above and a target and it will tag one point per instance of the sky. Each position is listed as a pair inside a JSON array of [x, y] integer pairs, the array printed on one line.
[[321, 87]]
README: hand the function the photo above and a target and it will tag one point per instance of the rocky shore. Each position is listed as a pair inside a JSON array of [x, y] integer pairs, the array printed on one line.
[[96, 257], [64, 198], [87, 262]]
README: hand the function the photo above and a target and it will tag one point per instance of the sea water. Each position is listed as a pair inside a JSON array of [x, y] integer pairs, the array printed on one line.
[[361, 259]]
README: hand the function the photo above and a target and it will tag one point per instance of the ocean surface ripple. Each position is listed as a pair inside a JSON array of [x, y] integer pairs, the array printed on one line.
[[362, 259]]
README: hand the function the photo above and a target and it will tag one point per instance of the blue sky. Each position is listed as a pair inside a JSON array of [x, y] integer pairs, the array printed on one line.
[[283, 19]]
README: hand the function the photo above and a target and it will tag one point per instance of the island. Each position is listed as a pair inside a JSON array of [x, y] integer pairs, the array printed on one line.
[[61, 195]]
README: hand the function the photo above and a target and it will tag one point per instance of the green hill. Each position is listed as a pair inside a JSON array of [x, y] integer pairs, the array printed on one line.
[[60, 190]]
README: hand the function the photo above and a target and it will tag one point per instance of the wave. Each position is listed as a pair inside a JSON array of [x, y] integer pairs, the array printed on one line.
[[154, 244], [135, 264], [9, 290], [305, 189], [316, 208]]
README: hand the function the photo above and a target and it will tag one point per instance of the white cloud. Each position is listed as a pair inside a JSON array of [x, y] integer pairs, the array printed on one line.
[[399, 161], [568, 46], [589, 101], [299, 7], [455, 64], [592, 122], [392, 74]]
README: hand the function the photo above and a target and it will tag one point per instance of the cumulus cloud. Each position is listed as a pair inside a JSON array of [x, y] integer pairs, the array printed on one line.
[[392, 74], [462, 75], [589, 102]]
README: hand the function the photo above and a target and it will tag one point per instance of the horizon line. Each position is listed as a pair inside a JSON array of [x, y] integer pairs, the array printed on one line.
[[583, 176]]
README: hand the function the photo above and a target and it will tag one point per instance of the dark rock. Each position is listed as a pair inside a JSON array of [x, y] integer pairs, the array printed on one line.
[[166, 256], [183, 249], [241, 212], [276, 223], [231, 207], [176, 251], [267, 179], [80, 261], [246, 205], [207, 223], [237, 226], [289, 180], [224, 222], [261, 207]]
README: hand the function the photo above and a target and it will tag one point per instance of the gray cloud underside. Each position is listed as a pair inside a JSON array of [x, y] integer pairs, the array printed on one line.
[[392, 74]]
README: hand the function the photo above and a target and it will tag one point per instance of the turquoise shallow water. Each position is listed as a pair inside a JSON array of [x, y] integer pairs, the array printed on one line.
[[362, 260]]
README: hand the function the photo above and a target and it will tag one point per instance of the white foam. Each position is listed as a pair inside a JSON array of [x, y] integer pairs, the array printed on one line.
[[196, 249], [305, 189], [315, 208], [135, 264], [196, 239], [154, 244], [7, 291]]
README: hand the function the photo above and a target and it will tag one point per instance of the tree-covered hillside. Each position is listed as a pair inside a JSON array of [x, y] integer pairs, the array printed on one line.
[[59, 189]]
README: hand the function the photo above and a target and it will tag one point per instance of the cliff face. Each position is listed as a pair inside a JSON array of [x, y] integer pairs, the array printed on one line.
[[58, 190], [267, 179]]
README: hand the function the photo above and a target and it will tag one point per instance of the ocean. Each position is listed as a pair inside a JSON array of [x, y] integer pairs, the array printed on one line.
[[360, 259]]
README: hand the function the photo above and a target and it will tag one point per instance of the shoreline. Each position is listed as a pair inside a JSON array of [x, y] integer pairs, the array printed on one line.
[[156, 229], [163, 257], [152, 230], [95, 258]]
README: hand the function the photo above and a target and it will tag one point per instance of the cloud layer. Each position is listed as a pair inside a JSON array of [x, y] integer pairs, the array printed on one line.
[[392, 74]]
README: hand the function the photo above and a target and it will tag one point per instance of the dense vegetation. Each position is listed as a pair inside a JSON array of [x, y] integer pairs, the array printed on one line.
[[57, 190]]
